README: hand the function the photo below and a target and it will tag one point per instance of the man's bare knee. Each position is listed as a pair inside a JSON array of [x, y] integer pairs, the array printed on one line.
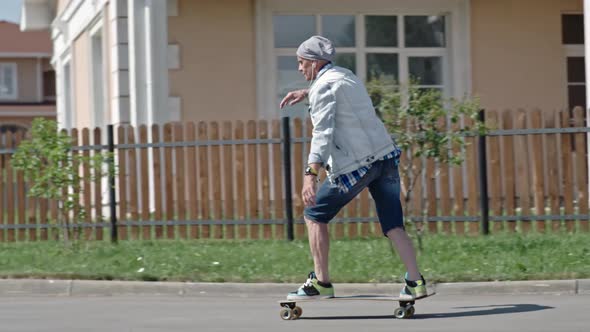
[[395, 232]]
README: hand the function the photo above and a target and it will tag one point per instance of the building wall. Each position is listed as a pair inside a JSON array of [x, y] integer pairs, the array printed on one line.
[[217, 75], [61, 6], [518, 60], [24, 114], [81, 84]]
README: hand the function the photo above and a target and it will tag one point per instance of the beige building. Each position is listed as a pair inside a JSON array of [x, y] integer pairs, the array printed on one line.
[[153, 61], [27, 80]]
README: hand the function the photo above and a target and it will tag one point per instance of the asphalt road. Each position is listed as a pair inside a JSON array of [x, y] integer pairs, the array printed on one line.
[[454, 313]]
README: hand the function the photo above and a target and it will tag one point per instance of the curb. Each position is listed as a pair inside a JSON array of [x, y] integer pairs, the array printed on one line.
[[43, 287]]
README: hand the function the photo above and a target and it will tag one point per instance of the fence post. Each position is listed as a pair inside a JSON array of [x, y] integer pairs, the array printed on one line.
[[483, 180], [112, 189], [287, 176]]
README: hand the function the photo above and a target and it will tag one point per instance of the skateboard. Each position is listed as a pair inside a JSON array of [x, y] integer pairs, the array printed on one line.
[[291, 311]]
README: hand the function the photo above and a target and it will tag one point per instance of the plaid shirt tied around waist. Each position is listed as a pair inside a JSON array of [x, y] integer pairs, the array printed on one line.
[[346, 181]]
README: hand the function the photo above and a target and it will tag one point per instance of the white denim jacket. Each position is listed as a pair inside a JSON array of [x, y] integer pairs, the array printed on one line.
[[347, 134]]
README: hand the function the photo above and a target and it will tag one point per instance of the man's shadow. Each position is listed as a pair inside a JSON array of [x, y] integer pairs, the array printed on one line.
[[485, 310]]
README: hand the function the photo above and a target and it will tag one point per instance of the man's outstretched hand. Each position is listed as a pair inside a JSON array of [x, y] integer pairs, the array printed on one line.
[[293, 97]]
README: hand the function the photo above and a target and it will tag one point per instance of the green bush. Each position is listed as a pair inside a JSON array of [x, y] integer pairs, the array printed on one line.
[[47, 161]]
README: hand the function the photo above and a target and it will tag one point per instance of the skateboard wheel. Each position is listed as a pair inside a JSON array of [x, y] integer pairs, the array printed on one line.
[[297, 312], [410, 312], [400, 313], [286, 314]]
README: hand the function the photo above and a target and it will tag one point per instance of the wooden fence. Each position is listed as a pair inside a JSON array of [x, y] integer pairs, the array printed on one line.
[[225, 181]]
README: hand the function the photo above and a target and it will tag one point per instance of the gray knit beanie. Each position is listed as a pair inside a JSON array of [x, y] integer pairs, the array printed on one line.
[[317, 48]]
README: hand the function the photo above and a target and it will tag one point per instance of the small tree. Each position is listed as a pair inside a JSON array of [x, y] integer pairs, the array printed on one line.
[[47, 161], [425, 126]]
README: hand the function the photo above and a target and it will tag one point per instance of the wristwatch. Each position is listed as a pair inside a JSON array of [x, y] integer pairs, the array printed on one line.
[[310, 171]]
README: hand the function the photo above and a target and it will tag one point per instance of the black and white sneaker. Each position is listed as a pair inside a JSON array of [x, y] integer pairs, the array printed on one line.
[[312, 289]]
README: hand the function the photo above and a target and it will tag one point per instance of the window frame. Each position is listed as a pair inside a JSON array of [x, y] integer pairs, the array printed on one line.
[[13, 66], [456, 54], [571, 51]]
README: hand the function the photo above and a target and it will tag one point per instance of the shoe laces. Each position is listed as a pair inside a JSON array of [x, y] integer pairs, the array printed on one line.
[[307, 283]]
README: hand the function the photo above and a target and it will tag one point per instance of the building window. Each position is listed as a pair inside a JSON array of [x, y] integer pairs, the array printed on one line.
[[8, 81], [573, 41], [403, 48], [572, 31], [576, 81], [49, 85]]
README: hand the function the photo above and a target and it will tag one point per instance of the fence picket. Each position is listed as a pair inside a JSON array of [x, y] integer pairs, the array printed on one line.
[[471, 156], [228, 180], [54, 215], [204, 179], [10, 184], [191, 171], [97, 198], [4, 187], [87, 186], [445, 193], [30, 212], [431, 207], [216, 179], [144, 204], [494, 173], [552, 171], [364, 203], [133, 208], [122, 171], [279, 213], [538, 175], [20, 194], [43, 210], [170, 214], [298, 162], [417, 199], [522, 170], [568, 171], [581, 170], [180, 180], [252, 179], [265, 178], [351, 212], [458, 196], [508, 170], [241, 192], [157, 164]]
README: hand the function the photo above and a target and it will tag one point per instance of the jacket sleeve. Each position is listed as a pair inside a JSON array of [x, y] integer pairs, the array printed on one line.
[[323, 112]]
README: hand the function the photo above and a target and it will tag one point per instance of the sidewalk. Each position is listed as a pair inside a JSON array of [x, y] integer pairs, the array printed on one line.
[[35, 287]]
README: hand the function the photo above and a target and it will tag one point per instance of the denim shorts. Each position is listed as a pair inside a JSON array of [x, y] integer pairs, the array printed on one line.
[[383, 182]]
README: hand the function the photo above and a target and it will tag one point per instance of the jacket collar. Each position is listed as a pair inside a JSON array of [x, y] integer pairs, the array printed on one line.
[[324, 69]]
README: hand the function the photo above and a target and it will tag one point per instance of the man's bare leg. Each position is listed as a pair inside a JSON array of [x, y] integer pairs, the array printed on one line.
[[319, 243], [405, 250]]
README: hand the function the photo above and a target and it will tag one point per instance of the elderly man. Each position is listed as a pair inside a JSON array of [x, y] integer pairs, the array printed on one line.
[[354, 147]]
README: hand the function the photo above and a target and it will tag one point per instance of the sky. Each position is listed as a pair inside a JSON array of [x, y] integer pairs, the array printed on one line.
[[10, 10]]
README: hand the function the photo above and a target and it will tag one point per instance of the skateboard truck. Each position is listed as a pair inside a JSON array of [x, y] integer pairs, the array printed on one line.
[[290, 311], [405, 310]]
